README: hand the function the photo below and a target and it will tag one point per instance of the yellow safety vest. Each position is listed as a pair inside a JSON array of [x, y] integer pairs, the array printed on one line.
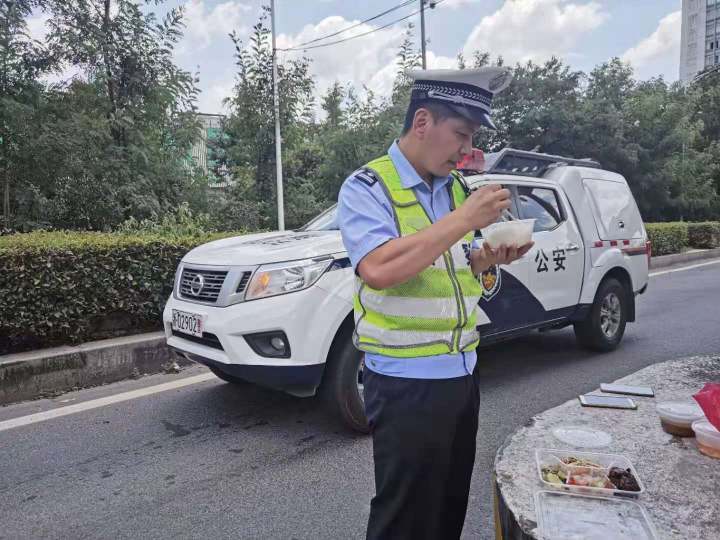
[[436, 311]]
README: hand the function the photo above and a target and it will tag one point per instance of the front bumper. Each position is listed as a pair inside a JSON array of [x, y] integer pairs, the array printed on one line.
[[306, 317], [301, 381]]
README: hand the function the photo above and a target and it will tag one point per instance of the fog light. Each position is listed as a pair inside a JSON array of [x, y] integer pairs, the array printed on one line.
[[269, 344]]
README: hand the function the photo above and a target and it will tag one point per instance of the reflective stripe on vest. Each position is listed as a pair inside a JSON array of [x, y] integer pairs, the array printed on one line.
[[436, 311]]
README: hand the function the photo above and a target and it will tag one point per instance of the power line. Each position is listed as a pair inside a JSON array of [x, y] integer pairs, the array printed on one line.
[[301, 48], [353, 37], [301, 45]]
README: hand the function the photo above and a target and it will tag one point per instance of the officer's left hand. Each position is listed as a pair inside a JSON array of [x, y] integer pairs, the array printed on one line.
[[507, 254], [485, 257]]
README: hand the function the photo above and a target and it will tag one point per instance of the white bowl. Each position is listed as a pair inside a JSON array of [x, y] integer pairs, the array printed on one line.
[[514, 233]]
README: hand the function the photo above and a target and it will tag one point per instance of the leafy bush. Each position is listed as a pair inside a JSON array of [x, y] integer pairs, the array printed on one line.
[[182, 222], [70, 287], [667, 238], [704, 235]]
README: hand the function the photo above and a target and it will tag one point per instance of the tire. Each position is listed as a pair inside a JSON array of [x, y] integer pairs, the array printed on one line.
[[342, 384], [604, 327], [225, 377]]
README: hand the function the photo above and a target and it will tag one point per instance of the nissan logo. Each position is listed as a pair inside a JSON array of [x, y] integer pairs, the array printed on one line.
[[197, 284]]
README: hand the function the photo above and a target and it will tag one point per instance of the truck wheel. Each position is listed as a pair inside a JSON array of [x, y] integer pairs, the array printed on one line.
[[604, 326], [343, 385], [225, 377]]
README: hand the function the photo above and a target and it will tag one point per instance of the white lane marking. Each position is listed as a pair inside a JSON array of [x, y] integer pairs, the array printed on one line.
[[683, 268], [102, 402]]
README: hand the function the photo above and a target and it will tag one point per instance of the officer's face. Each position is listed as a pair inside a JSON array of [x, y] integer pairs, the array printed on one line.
[[447, 141]]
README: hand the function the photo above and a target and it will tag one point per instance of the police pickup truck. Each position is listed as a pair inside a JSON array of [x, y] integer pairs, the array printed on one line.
[[276, 308]]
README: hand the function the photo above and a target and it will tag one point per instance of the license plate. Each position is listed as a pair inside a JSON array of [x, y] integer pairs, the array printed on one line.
[[187, 323]]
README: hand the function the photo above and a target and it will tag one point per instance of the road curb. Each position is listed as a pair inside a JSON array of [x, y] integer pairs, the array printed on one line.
[[48, 372], [678, 258]]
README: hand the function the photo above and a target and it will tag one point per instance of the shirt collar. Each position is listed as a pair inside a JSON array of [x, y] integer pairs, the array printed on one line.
[[409, 178]]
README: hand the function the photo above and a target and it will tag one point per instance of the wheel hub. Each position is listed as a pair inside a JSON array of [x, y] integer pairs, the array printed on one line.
[[610, 315], [360, 384]]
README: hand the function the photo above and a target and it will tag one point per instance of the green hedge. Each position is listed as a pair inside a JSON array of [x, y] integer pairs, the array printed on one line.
[[65, 288], [667, 238], [673, 237], [704, 235]]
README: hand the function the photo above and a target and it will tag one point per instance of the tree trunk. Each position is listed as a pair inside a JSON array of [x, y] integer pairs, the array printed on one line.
[[6, 201], [109, 83]]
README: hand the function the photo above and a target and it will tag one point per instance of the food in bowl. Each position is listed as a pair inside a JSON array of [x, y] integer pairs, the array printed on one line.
[[676, 417], [514, 233], [708, 438]]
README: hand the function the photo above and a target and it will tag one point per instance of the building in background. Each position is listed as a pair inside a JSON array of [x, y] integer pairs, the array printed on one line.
[[204, 151], [699, 38]]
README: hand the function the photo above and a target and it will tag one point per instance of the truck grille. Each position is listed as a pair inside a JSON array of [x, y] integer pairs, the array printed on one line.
[[243, 281], [211, 280]]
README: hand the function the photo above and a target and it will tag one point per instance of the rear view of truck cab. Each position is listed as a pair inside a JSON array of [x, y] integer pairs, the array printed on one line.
[[591, 255], [618, 254]]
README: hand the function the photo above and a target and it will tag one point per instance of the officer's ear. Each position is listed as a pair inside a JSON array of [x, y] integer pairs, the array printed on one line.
[[422, 120]]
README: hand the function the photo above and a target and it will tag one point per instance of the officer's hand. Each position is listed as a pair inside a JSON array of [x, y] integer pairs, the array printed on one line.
[[484, 206], [507, 254]]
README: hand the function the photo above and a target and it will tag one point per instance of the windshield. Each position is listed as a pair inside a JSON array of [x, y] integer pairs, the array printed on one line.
[[326, 221]]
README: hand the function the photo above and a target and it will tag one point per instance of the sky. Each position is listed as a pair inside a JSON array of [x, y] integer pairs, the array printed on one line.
[[584, 33]]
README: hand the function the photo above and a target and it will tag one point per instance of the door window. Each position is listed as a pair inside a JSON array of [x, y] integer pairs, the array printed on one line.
[[541, 204]]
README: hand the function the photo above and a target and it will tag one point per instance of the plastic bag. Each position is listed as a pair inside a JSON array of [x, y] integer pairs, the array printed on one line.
[[709, 400]]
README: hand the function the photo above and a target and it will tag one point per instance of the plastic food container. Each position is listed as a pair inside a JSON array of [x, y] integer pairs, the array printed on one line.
[[564, 516], [676, 417], [708, 438], [509, 233], [557, 472]]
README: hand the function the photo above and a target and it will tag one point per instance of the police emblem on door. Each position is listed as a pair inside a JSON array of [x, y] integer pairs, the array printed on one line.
[[490, 280]]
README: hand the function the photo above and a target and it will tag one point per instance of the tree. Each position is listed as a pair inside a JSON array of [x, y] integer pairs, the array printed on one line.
[[120, 134], [250, 153], [332, 105], [21, 63], [540, 108]]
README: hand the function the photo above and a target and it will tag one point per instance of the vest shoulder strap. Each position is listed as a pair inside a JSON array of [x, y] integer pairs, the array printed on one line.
[[385, 170]]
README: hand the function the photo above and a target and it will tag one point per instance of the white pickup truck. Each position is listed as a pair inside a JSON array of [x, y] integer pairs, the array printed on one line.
[[276, 308]]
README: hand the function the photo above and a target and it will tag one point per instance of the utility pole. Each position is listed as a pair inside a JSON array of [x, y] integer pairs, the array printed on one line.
[[422, 33], [278, 140], [431, 4]]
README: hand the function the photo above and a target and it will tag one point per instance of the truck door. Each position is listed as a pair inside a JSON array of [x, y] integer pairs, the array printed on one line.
[[506, 293], [557, 260]]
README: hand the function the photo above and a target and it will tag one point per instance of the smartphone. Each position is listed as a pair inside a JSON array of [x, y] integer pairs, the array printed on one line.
[[644, 391], [612, 402]]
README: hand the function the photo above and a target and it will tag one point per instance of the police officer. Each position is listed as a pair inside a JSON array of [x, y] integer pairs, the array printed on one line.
[[408, 225]]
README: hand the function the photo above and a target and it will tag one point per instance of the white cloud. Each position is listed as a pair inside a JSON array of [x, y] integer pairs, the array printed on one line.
[[203, 25], [440, 62], [659, 52], [211, 98], [37, 27], [522, 30], [368, 60]]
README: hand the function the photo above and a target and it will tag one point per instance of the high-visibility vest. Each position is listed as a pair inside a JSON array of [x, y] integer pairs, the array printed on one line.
[[436, 311]]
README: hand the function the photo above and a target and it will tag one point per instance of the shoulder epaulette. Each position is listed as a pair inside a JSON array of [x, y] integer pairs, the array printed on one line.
[[366, 175]]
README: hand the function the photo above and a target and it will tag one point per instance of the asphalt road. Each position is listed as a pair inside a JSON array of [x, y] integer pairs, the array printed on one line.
[[211, 460]]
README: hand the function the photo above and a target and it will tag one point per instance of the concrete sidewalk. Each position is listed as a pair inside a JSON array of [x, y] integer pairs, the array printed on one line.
[[681, 258], [47, 372]]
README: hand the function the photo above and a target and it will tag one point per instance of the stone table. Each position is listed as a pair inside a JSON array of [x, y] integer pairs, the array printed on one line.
[[682, 485]]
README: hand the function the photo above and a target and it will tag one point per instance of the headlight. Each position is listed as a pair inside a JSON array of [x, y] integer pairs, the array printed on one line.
[[281, 278]]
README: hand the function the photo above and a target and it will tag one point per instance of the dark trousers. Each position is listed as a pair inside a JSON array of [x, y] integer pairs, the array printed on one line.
[[423, 434]]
